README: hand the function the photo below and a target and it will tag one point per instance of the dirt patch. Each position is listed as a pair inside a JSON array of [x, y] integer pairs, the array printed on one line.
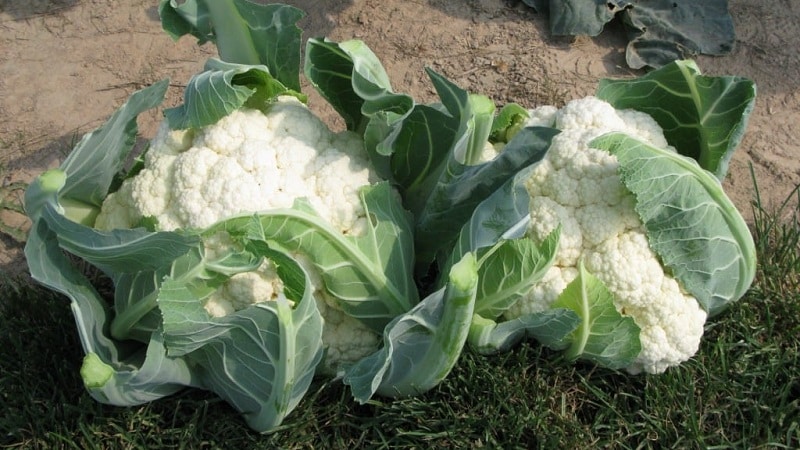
[[68, 64]]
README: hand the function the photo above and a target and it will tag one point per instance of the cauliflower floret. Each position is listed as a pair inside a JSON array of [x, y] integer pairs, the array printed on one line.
[[117, 212], [245, 289], [579, 188], [543, 116], [490, 151], [346, 339]]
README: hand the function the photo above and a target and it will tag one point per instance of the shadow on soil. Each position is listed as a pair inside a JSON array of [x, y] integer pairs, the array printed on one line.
[[27, 9]]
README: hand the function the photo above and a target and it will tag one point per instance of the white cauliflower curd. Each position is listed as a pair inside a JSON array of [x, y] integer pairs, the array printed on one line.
[[247, 162], [578, 187]]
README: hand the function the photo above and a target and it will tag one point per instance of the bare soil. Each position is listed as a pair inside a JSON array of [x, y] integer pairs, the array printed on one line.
[[66, 65]]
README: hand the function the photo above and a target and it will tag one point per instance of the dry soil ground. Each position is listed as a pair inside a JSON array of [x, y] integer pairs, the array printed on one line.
[[65, 65]]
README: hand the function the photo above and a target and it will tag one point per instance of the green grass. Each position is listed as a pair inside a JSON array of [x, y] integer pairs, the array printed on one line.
[[11, 202], [740, 391]]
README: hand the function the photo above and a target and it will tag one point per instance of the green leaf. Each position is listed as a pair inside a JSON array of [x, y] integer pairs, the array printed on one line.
[[244, 32], [508, 122], [550, 328], [503, 215], [703, 117], [691, 224], [510, 265], [604, 336], [140, 374], [135, 259], [509, 270], [260, 359], [92, 165], [221, 89], [351, 78], [422, 346], [120, 250], [418, 147], [369, 275], [179, 18], [460, 189], [450, 191]]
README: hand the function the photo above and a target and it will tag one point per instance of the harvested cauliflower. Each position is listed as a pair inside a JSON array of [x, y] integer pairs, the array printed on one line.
[[578, 188]]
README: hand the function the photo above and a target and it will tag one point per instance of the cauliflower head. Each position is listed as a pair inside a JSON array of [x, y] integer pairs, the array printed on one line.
[[248, 161], [578, 187], [252, 161]]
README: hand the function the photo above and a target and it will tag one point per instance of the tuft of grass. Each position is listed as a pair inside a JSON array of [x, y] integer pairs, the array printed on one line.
[[777, 236], [742, 390], [11, 201]]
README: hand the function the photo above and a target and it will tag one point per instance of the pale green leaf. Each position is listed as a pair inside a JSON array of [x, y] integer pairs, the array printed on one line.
[[369, 275], [604, 336], [703, 117], [692, 225], [421, 346]]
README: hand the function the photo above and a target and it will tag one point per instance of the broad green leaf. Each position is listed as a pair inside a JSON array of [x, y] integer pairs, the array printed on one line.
[[156, 376], [703, 117], [351, 78], [510, 265], [503, 215], [131, 373], [134, 259], [550, 328], [244, 32], [418, 147], [120, 250], [140, 374], [509, 270], [460, 189], [369, 275], [604, 336], [179, 18], [113, 251], [260, 359], [691, 224], [510, 262], [422, 346], [92, 165], [221, 89], [452, 190]]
